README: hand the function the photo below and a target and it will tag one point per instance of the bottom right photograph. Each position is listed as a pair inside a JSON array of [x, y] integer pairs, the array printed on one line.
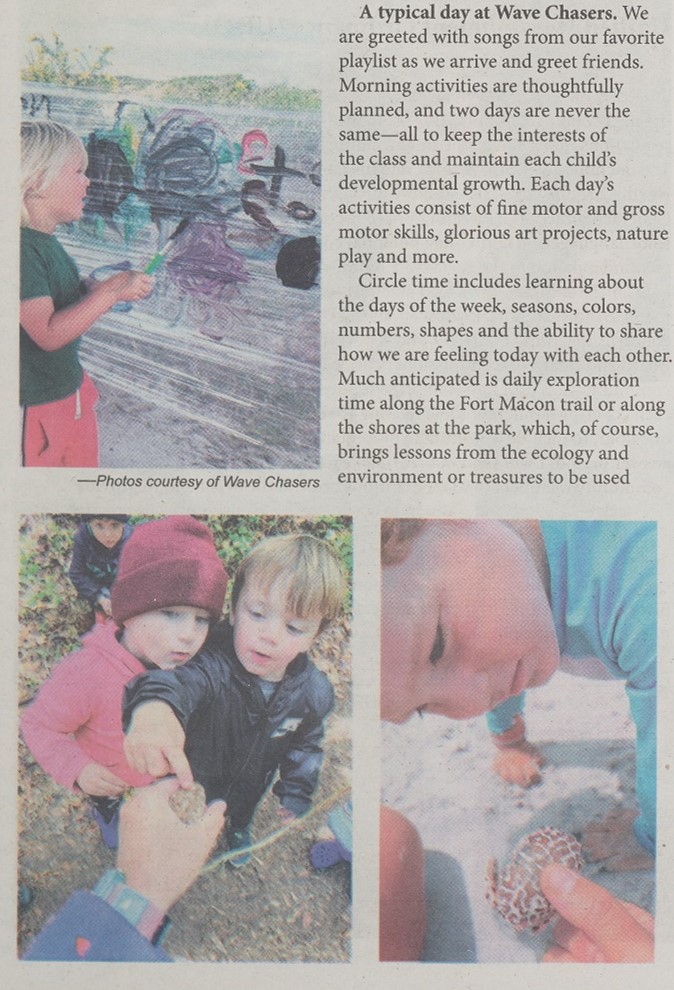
[[518, 706]]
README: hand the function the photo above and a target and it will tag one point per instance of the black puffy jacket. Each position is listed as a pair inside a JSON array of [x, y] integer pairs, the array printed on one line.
[[235, 740]]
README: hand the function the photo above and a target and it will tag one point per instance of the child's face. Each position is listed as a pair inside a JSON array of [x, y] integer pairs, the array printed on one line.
[[465, 623], [267, 637], [166, 637], [62, 201], [107, 531]]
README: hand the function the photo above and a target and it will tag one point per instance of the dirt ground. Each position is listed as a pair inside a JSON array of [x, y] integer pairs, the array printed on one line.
[[438, 773], [276, 908], [129, 435]]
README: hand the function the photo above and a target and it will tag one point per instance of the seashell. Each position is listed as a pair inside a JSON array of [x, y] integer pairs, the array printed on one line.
[[189, 805], [515, 892]]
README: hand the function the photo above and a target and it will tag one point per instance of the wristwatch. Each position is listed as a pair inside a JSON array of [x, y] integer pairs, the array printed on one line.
[[146, 917]]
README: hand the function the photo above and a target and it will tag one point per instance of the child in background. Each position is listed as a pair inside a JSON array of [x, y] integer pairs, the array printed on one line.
[[57, 396], [98, 543], [170, 585], [252, 703]]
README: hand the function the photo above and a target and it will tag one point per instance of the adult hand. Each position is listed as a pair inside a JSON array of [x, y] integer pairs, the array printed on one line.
[[159, 855], [595, 926], [98, 781], [155, 743]]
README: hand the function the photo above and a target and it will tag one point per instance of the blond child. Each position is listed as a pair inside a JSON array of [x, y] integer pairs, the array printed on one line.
[[170, 585], [57, 396], [252, 703]]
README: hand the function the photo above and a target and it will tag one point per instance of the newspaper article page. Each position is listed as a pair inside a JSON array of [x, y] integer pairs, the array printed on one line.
[[504, 246], [338, 569]]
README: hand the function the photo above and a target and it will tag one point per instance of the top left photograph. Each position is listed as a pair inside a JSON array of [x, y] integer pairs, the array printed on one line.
[[170, 235]]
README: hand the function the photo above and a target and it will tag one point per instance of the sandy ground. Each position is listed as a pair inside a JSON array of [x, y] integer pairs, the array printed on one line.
[[438, 773]]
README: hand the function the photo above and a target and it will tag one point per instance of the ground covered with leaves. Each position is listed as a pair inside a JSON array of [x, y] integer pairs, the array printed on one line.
[[277, 907]]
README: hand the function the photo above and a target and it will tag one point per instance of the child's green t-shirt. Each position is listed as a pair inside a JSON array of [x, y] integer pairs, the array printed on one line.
[[47, 270]]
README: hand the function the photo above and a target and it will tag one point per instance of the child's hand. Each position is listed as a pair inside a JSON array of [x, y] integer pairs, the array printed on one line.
[[151, 835], [155, 743], [285, 817], [595, 926], [103, 602], [519, 764], [127, 286], [516, 760], [98, 781]]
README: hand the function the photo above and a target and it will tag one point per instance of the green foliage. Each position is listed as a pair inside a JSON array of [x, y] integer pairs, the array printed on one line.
[[234, 90], [51, 62], [50, 615], [230, 90], [284, 97]]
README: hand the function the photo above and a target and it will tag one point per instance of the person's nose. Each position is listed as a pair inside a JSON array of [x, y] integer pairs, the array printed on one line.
[[270, 630], [187, 630]]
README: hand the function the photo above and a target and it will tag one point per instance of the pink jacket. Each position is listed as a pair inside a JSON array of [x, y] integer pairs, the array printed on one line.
[[77, 716]]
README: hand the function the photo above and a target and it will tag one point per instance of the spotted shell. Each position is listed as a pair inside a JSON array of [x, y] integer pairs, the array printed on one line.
[[516, 892]]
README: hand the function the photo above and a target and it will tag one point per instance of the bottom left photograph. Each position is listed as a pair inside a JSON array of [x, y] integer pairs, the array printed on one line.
[[184, 761]]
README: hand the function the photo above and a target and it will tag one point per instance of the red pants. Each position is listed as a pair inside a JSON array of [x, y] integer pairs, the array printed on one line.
[[62, 433]]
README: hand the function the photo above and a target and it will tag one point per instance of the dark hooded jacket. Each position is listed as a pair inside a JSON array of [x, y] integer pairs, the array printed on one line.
[[94, 567], [235, 739]]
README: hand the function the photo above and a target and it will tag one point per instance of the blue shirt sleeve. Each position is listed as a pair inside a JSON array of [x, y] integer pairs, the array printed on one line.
[[603, 583], [604, 601], [501, 718], [87, 929]]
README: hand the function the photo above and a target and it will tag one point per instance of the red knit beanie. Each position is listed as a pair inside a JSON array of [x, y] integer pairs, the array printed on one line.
[[171, 561]]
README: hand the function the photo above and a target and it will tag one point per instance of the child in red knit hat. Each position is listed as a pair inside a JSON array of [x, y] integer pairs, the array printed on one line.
[[250, 708], [170, 585]]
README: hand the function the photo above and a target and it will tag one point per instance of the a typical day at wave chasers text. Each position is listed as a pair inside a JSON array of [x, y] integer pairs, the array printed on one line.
[[503, 244]]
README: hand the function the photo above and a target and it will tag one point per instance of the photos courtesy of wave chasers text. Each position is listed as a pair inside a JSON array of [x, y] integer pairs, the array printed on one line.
[[235, 630]]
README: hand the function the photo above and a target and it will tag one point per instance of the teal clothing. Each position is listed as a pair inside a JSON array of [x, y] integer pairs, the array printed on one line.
[[603, 585], [47, 270]]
